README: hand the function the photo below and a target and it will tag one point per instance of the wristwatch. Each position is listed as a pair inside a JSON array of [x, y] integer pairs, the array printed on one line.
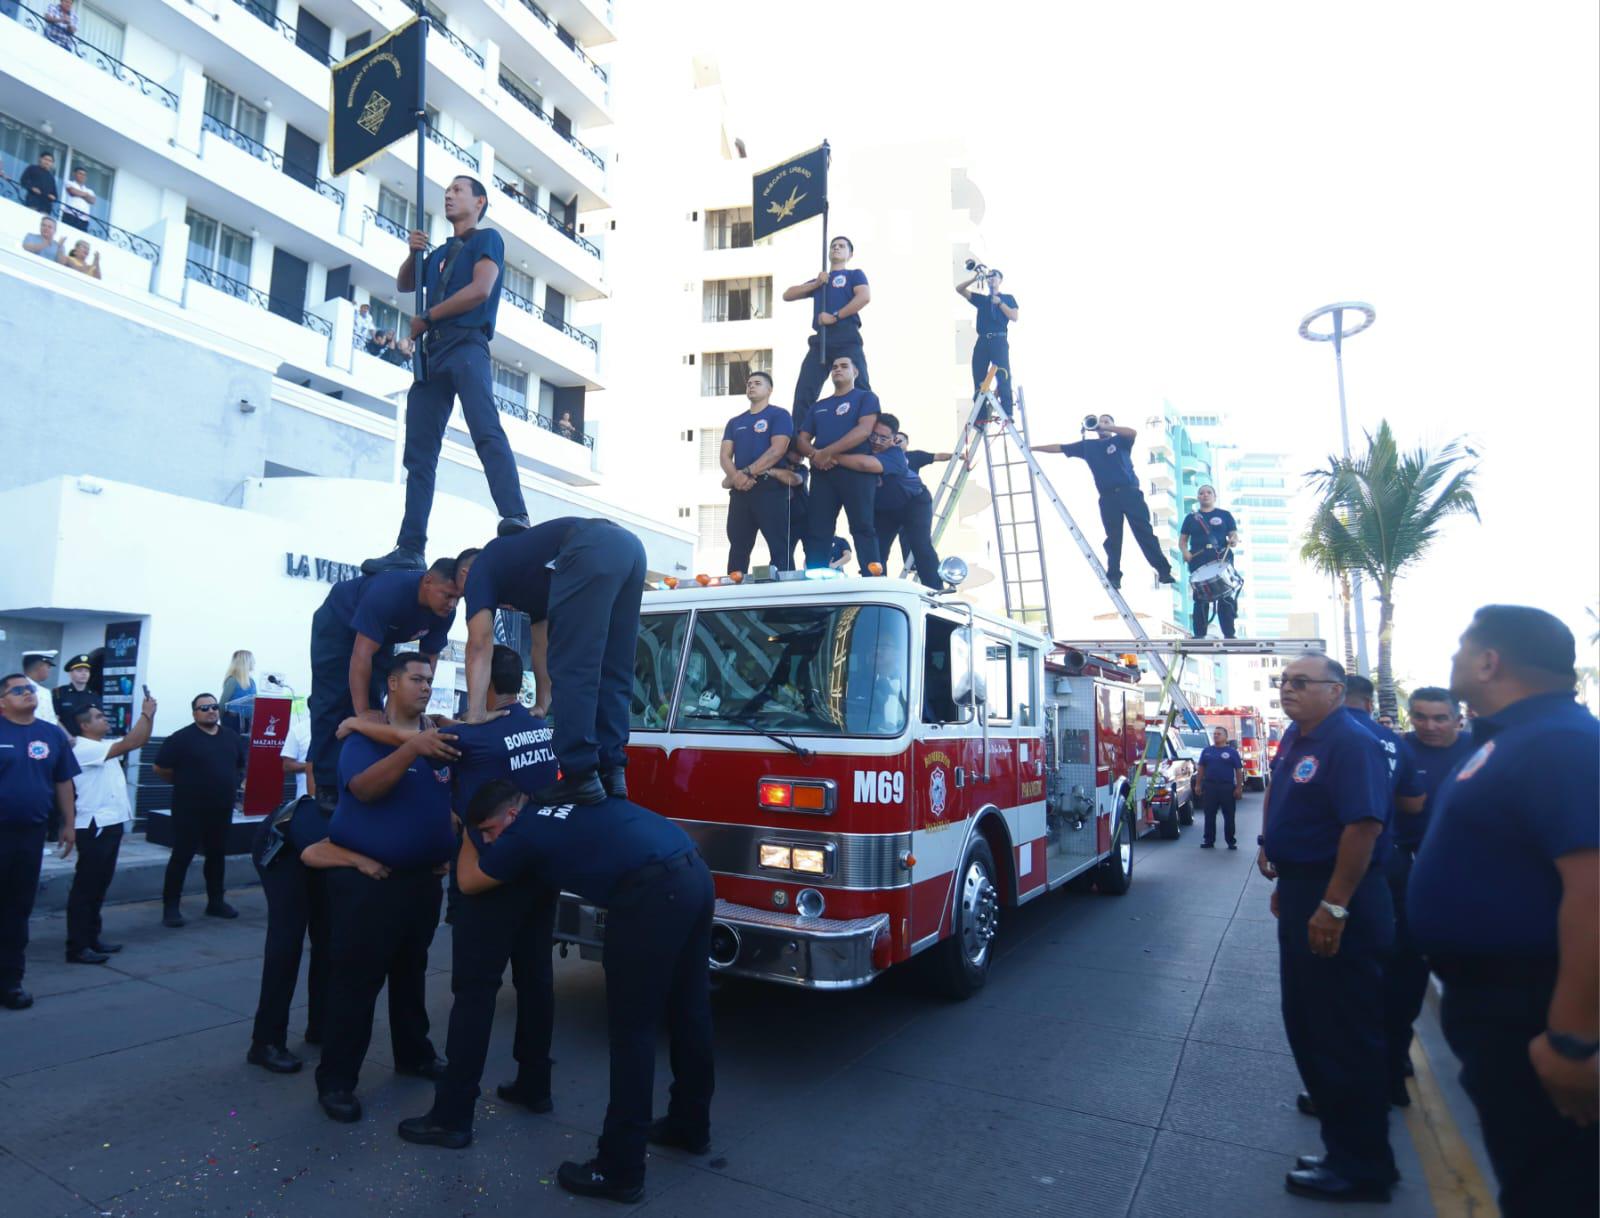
[[1339, 912], [1570, 1047]]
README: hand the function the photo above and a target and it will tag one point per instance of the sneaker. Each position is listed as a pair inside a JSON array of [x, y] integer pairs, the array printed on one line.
[[1208, 845], [110, 949], [397, 559], [221, 909], [591, 1180], [577, 789], [17, 999], [1233, 845], [274, 1059], [512, 524], [87, 955]]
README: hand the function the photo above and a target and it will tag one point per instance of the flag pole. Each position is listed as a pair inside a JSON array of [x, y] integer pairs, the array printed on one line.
[[418, 257], [822, 350]]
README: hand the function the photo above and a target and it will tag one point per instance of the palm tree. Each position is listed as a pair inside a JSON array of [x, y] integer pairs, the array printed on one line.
[[1380, 513]]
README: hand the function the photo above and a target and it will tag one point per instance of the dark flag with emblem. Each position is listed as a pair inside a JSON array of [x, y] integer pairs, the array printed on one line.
[[377, 93], [791, 192]]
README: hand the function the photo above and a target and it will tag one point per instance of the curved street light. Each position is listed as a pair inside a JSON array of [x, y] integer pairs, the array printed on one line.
[[1336, 336]]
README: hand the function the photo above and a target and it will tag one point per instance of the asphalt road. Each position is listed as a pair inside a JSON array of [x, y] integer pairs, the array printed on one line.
[[1127, 1057]]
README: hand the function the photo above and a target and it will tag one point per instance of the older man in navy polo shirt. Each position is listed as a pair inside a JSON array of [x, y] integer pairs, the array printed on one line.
[[1502, 903], [1326, 810], [840, 426], [36, 772], [753, 442], [1110, 458]]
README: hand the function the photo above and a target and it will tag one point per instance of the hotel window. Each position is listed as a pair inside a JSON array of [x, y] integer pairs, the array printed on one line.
[[723, 373], [732, 228], [737, 299], [218, 248]]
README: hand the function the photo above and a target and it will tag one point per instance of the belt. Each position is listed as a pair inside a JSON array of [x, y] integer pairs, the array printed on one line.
[[650, 872], [997, 334]]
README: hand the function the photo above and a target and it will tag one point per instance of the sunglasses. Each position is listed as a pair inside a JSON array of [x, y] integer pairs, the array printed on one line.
[[1299, 684], [18, 690], [209, 706]]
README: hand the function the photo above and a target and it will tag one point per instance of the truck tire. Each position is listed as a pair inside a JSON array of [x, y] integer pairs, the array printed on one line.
[[1186, 813], [1115, 873], [1167, 825], [961, 962]]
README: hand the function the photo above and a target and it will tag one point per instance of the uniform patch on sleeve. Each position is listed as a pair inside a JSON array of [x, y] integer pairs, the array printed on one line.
[[1476, 762], [1305, 769]]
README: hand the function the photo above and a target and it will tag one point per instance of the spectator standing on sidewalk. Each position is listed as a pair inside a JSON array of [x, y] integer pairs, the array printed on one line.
[[239, 692], [36, 666], [78, 201], [36, 773], [72, 699], [204, 762], [39, 184], [102, 800]]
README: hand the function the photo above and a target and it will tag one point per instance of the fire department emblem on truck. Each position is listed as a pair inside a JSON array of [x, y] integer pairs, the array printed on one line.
[[936, 791]]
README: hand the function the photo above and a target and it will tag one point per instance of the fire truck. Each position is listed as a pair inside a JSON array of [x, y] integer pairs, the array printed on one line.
[[873, 772], [1248, 732]]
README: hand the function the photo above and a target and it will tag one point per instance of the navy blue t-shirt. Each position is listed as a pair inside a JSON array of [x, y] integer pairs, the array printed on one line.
[[837, 549], [840, 291], [832, 418], [1485, 881], [990, 319], [1220, 764], [752, 432], [1433, 767], [476, 325], [1322, 781], [33, 759], [408, 827], [583, 849], [899, 486], [515, 747], [917, 458], [515, 570], [1206, 549], [384, 608], [1110, 459]]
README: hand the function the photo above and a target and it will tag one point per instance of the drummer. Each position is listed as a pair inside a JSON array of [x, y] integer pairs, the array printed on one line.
[[1207, 536]]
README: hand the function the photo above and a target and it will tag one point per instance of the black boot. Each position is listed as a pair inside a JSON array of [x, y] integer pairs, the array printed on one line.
[[615, 780], [426, 1131], [273, 1058], [173, 916], [397, 559], [576, 789], [511, 524]]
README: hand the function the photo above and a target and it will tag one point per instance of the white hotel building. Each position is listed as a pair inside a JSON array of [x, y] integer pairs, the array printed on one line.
[[180, 431]]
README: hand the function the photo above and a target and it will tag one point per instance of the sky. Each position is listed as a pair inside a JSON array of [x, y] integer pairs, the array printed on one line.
[[1170, 187]]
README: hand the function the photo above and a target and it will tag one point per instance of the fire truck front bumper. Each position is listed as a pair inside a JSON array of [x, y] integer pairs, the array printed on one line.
[[762, 944]]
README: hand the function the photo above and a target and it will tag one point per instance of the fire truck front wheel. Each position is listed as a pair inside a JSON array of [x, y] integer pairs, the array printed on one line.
[[961, 962], [1115, 873]]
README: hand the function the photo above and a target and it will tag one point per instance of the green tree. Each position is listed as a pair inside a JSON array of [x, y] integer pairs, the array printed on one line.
[[1379, 513]]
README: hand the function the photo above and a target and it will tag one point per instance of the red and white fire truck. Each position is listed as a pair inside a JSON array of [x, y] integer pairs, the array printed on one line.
[[873, 771], [1248, 732]]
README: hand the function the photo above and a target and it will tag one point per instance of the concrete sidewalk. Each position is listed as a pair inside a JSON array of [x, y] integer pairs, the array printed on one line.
[[1126, 1058], [140, 868]]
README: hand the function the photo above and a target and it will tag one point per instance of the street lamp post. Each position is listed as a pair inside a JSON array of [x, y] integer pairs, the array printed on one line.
[[1337, 337]]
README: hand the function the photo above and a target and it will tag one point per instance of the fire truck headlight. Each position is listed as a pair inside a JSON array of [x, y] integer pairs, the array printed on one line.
[[810, 859], [778, 858]]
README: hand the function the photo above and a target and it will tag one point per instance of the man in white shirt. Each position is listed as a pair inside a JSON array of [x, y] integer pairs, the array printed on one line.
[[296, 747], [77, 200], [103, 810], [36, 666], [365, 327]]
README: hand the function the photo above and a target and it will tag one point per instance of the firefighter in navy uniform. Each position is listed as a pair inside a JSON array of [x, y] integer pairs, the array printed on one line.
[[840, 426], [1327, 807], [996, 312], [754, 441], [580, 581], [1221, 785], [1437, 746], [837, 296], [514, 925], [659, 898], [1502, 903]]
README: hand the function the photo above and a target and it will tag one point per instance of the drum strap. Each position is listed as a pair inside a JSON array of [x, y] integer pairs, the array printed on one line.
[[1206, 529]]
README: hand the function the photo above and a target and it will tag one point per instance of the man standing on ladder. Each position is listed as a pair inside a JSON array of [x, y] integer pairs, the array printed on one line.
[[1110, 458], [996, 311]]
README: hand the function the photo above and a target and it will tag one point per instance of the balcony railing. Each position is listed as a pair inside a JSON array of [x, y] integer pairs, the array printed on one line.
[[453, 148], [454, 40], [261, 152], [561, 226], [262, 11], [533, 108], [239, 290], [518, 410], [555, 323], [91, 54], [566, 39], [104, 229], [393, 227]]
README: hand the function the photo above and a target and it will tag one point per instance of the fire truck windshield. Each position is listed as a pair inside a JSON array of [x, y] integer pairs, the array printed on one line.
[[802, 670]]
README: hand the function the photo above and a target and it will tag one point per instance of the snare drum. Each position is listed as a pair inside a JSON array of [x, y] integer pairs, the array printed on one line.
[[1215, 581]]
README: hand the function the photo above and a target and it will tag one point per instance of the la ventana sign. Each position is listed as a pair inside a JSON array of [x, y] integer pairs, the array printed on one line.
[[325, 570]]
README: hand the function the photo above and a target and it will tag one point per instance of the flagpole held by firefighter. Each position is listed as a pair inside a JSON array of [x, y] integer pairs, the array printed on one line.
[[419, 354], [822, 347], [787, 194]]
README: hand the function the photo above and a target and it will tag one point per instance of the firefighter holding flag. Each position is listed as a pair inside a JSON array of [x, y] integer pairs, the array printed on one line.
[[378, 96]]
